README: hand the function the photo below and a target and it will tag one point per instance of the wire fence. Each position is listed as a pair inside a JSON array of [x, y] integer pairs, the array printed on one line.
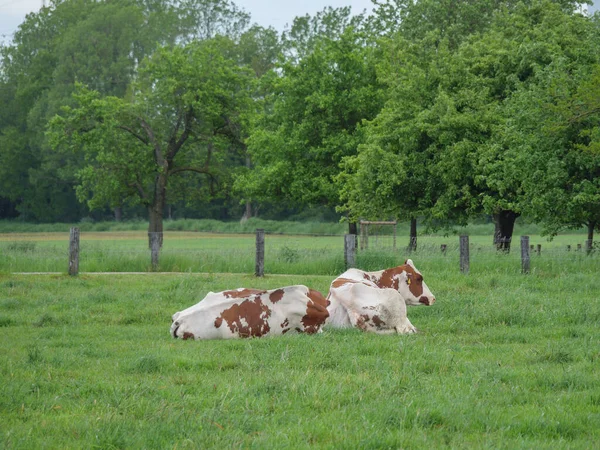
[[282, 254]]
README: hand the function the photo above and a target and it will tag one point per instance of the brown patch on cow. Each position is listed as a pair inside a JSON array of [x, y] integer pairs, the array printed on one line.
[[218, 322], [316, 312], [361, 321], [389, 279], [286, 323], [243, 293], [378, 322], [341, 281], [187, 335], [276, 295], [253, 312]]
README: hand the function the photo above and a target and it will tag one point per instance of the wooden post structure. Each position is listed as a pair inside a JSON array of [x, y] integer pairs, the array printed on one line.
[[350, 250], [74, 251], [569, 248], [464, 254], [539, 249], [259, 270], [155, 239], [364, 235], [525, 259]]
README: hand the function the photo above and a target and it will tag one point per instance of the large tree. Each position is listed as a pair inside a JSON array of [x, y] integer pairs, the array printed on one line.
[[180, 117], [311, 118]]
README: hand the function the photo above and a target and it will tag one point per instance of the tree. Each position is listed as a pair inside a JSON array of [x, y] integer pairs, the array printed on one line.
[[311, 119], [180, 118]]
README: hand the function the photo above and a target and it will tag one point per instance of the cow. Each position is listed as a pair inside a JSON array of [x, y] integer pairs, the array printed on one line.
[[244, 313], [377, 301]]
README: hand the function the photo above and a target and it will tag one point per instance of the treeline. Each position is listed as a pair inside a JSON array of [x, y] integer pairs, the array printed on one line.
[[423, 110]]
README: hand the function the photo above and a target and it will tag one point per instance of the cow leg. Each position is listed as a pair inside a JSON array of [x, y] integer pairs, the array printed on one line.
[[405, 327]]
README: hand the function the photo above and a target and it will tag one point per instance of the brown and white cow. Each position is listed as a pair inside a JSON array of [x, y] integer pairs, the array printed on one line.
[[376, 301], [243, 313]]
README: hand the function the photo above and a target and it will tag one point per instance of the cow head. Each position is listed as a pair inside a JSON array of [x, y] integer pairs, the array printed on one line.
[[409, 283]]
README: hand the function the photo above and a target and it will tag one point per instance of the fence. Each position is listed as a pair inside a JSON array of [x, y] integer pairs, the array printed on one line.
[[291, 255]]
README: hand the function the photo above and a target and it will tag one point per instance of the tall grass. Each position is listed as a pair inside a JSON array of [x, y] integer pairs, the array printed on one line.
[[501, 361], [285, 254]]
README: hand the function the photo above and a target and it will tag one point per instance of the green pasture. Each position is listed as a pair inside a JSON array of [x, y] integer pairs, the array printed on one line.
[[127, 251], [502, 360]]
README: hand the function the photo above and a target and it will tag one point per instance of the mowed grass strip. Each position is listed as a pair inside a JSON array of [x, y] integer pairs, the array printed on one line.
[[502, 361]]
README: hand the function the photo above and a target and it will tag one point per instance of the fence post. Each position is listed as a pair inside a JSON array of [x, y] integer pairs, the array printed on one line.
[[464, 254], [525, 259], [349, 250], [443, 248], [568, 248], [259, 270], [74, 251], [155, 243]]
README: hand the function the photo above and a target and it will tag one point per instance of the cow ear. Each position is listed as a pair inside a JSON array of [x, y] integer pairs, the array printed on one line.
[[410, 263]]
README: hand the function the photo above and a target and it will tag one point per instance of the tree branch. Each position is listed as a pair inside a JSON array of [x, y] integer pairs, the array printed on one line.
[[158, 157], [176, 145], [133, 133]]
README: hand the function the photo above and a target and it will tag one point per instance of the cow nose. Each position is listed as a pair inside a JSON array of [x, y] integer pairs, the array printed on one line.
[[427, 300]]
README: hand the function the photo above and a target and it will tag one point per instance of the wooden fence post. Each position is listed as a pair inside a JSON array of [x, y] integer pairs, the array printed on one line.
[[349, 250], [155, 239], [259, 270], [74, 251], [464, 254], [539, 249], [525, 259]]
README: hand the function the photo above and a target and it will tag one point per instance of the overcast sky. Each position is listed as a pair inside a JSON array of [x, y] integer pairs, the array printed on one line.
[[276, 13]]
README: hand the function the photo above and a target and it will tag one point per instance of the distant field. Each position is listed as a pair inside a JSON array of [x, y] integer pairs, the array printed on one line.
[[127, 251], [503, 360]]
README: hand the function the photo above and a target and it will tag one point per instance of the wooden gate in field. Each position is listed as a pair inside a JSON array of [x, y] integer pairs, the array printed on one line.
[[376, 231]]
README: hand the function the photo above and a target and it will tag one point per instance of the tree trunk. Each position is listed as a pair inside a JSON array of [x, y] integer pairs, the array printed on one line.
[[412, 243], [353, 229], [118, 214], [590, 237], [156, 210], [247, 212], [504, 223]]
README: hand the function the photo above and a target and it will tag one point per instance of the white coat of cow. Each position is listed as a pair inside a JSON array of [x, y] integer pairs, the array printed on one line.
[[376, 301], [242, 313]]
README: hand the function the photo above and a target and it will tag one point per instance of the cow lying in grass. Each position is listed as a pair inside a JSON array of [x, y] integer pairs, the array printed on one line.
[[376, 301], [243, 313]]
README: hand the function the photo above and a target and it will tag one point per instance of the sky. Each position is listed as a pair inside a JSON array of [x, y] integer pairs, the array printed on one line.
[[264, 12], [275, 13]]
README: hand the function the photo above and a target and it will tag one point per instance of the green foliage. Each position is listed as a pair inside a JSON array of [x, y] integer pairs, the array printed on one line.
[[312, 118]]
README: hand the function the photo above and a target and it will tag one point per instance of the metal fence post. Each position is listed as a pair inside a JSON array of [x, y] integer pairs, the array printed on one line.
[[525, 259], [259, 270], [464, 254], [349, 250], [74, 251]]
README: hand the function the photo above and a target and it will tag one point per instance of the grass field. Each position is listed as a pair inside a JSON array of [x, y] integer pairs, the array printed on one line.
[[503, 360]]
